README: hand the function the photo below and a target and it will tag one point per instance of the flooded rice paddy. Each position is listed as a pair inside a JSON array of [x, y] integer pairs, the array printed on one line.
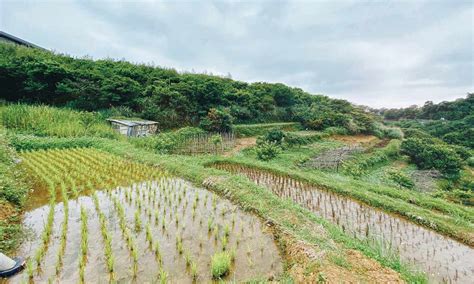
[[443, 259], [162, 230]]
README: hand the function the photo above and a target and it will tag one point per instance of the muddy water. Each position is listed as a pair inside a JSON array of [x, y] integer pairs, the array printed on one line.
[[443, 259], [168, 200]]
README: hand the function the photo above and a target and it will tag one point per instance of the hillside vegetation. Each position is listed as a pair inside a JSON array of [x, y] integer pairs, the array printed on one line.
[[172, 98], [453, 122]]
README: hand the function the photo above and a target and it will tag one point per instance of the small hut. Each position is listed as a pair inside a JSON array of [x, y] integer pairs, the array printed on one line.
[[134, 128]]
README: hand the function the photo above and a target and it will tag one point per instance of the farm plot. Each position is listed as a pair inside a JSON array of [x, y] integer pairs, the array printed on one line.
[[97, 218], [332, 159], [443, 259], [206, 143]]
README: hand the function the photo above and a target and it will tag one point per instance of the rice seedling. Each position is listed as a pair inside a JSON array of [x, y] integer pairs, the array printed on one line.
[[138, 221], [187, 258], [216, 232], [226, 230], [46, 235], [163, 276], [224, 242], [232, 254], [220, 264], [84, 245], [135, 260], [210, 224], [194, 271], [149, 236], [30, 269], [156, 250], [64, 227], [179, 244], [107, 238]]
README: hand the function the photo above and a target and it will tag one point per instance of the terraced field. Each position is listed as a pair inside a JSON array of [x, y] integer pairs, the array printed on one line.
[[94, 217]]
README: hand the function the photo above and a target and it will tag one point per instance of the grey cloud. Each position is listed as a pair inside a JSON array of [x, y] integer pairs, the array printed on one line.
[[389, 53]]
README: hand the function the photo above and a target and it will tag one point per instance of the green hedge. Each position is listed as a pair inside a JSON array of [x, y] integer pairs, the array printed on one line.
[[31, 142], [252, 130]]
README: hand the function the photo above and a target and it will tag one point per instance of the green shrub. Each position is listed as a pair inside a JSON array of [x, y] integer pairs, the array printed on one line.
[[166, 142], [336, 131], [275, 136], [400, 178], [267, 151], [416, 133], [292, 139], [470, 162], [217, 120], [252, 130], [430, 154], [220, 264], [31, 142]]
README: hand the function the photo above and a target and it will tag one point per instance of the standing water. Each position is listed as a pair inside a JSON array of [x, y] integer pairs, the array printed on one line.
[[443, 259]]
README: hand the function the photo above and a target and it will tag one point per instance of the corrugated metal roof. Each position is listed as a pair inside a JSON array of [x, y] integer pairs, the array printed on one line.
[[133, 122], [18, 40]]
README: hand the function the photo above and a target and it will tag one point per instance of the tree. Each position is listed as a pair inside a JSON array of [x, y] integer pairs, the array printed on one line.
[[217, 120], [431, 154]]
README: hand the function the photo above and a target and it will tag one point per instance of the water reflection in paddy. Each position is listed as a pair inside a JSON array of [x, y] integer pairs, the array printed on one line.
[[442, 258]]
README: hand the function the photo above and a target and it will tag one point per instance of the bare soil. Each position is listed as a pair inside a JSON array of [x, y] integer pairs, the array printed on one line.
[[240, 144], [6, 210], [355, 139]]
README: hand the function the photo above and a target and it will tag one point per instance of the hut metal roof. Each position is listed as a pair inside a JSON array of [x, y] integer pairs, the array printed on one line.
[[133, 122]]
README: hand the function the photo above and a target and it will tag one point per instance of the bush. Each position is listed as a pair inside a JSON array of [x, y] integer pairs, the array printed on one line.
[[267, 151], [252, 130], [220, 264], [416, 133], [400, 178], [31, 143], [275, 136], [217, 120], [470, 162], [382, 131], [336, 131], [166, 142], [292, 139], [429, 154]]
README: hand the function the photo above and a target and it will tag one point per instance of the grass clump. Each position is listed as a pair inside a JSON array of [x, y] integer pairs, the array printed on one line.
[[220, 264]]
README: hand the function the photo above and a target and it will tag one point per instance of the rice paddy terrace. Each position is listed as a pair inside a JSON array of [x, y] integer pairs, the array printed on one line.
[[443, 259], [94, 217]]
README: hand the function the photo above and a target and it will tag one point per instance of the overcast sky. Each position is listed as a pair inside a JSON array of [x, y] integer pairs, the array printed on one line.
[[378, 53]]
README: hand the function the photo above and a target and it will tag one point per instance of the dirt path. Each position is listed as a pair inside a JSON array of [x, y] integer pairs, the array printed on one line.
[[355, 139], [240, 144]]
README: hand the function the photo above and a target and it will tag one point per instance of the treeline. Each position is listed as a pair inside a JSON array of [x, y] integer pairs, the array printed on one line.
[[453, 122], [173, 99], [454, 110]]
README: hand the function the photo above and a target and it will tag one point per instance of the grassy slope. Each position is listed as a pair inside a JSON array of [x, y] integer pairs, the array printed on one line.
[[12, 196]]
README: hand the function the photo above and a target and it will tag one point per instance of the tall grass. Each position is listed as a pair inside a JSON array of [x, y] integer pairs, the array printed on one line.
[[48, 121]]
